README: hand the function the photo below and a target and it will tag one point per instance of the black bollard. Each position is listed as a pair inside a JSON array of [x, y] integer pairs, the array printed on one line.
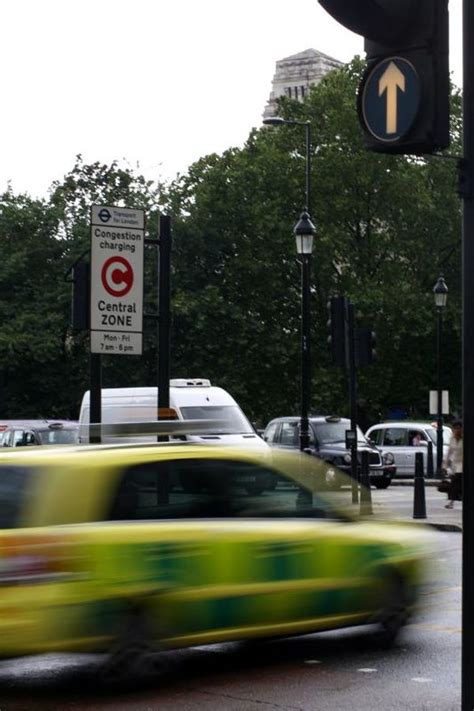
[[419, 502], [429, 465], [365, 493]]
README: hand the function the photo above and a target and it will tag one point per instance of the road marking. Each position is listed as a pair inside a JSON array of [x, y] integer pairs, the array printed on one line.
[[434, 628], [421, 679], [440, 591], [367, 670], [312, 661]]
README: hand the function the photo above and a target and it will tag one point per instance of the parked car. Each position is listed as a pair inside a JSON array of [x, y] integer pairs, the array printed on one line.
[[145, 564], [18, 433], [401, 439], [327, 438]]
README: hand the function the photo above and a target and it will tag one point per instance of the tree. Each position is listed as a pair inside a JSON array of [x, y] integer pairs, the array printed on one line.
[[33, 309], [45, 366], [379, 219]]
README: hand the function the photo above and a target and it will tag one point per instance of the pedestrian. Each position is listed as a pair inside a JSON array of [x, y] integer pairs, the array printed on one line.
[[454, 463]]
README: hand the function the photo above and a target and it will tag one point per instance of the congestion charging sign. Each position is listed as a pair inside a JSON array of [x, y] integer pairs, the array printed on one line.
[[117, 253]]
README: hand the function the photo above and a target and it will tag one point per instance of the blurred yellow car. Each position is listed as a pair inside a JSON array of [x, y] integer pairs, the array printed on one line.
[[137, 548]]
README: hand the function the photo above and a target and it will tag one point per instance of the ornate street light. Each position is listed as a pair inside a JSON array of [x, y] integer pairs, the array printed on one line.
[[304, 232]]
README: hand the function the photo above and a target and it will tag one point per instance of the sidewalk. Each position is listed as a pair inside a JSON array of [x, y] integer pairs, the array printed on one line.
[[437, 516]]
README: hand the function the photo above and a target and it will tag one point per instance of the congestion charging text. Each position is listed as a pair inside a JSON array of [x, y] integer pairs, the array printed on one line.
[[117, 252]]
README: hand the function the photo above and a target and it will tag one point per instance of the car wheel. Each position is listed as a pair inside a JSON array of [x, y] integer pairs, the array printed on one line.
[[394, 610], [132, 656], [382, 484]]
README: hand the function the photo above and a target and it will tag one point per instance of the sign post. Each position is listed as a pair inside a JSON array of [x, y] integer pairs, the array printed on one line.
[[116, 299]]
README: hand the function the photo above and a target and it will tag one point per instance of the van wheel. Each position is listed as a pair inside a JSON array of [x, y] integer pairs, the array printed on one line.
[[132, 657]]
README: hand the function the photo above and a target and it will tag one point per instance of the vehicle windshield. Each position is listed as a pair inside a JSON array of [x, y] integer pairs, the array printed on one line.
[[233, 421], [332, 432], [431, 432], [58, 436]]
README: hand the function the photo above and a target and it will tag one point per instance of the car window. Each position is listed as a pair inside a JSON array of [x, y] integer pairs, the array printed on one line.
[[270, 432], [18, 438], [58, 436], [13, 492], [395, 437], [7, 438], [210, 488], [376, 436], [289, 435], [416, 436], [335, 432], [431, 434], [29, 438]]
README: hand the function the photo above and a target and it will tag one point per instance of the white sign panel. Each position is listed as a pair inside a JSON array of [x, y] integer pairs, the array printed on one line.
[[117, 217], [434, 402], [117, 252]]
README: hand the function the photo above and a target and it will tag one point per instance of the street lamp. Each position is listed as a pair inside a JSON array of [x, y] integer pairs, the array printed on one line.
[[304, 232], [440, 291]]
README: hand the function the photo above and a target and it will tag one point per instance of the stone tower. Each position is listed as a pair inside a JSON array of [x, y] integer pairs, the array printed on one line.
[[294, 75]]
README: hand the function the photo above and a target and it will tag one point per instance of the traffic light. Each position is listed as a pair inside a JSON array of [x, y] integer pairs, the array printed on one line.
[[338, 332], [81, 296], [365, 346], [403, 99]]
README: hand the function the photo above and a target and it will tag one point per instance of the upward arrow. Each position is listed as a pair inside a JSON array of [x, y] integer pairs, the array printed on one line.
[[391, 80]]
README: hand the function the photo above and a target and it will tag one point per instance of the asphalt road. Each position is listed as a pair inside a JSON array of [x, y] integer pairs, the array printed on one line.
[[338, 670]]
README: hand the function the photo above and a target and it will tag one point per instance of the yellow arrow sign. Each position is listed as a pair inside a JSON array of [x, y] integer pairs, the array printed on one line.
[[391, 80]]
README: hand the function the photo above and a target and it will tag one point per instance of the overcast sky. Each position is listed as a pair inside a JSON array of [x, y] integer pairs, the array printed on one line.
[[158, 83]]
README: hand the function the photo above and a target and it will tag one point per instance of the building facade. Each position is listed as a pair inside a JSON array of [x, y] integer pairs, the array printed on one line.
[[294, 75]]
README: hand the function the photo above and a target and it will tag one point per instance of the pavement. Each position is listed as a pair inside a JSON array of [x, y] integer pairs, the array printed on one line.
[[437, 516]]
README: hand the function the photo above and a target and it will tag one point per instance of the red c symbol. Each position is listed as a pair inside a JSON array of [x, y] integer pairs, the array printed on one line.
[[114, 276]]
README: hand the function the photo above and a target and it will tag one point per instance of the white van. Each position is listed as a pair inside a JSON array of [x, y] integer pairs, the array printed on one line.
[[192, 399]]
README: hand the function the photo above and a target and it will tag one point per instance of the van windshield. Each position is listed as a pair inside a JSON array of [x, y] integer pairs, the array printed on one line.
[[233, 421]]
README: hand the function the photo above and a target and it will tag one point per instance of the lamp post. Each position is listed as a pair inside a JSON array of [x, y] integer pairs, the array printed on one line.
[[440, 291], [304, 232]]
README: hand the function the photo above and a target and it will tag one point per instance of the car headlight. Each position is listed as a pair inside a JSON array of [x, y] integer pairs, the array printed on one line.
[[347, 458], [330, 476], [388, 458]]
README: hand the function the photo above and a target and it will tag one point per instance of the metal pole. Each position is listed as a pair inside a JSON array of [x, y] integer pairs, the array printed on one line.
[[305, 350], [308, 166], [164, 319], [466, 187], [419, 500], [439, 419], [306, 314], [95, 393], [429, 465], [365, 492], [353, 402]]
